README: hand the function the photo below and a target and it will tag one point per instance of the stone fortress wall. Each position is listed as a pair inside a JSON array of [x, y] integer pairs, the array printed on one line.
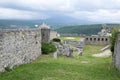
[[103, 37], [116, 54], [23, 46], [97, 40], [19, 47]]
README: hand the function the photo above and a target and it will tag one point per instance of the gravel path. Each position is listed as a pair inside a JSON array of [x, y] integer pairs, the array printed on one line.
[[105, 53], [70, 38]]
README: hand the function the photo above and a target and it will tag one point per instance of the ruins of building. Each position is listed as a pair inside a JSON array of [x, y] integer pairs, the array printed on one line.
[[105, 31], [18, 46], [102, 38], [97, 40]]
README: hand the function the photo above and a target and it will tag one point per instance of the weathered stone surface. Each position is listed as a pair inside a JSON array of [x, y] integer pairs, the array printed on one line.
[[80, 51], [72, 42], [55, 55], [45, 33], [97, 40], [54, 34], [19, 47], [77, 45], [64, 49], [116, 54]]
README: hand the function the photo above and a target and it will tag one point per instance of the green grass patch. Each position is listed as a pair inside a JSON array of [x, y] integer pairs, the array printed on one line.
[[65, 68], [71, 38]]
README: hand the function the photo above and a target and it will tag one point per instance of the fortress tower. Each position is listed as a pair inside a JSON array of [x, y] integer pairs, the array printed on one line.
[[45, 33]]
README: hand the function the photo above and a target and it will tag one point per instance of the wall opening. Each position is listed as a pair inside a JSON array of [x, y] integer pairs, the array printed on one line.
[[98, 39], [102, 39], [90, 39]]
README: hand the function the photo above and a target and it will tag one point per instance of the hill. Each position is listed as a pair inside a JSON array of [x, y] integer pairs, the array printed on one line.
[[83, 29], [16, 24]]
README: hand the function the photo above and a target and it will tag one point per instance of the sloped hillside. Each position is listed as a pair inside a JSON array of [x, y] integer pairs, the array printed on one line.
[[83, 29]]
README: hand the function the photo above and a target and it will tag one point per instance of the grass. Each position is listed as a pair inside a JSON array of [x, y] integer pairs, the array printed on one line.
[[71, 38], [47, 68]]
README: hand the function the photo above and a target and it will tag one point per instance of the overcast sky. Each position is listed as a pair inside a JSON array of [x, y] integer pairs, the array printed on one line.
[[90, 10]]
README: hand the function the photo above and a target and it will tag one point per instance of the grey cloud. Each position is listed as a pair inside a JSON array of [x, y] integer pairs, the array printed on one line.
[[94, 10]]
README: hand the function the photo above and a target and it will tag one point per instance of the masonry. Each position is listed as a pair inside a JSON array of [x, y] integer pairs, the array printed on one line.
[[116, 54], [19, 47], [97, 40]]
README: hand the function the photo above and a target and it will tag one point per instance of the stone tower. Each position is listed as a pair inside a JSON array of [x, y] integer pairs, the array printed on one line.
[[45, 33]]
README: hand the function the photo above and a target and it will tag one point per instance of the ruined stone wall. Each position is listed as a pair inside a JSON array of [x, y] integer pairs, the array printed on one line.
[[78, 44], [97, 40], [19, 47], [72, 42], [53, 34], [116, 54]]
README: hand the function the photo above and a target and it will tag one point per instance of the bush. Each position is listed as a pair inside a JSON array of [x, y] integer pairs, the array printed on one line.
[[48, 48], [8, 69], [113, 38], [56, 40]]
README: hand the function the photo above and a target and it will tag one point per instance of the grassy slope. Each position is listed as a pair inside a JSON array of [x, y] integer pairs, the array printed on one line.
[[83, 29], [46, 68]]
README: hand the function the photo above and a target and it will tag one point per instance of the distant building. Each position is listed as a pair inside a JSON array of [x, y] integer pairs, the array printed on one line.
[[106, 31]]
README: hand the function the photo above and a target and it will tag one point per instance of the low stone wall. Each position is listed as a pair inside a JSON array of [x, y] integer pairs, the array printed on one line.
[[116, 54], [97, 40], [19, 47], [72, 42], [75, 43]]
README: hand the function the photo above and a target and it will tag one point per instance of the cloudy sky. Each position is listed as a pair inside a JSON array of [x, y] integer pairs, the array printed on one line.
[[90, 10]]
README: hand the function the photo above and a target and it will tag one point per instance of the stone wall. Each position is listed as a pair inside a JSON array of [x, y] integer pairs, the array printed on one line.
[[72, 42], [53, 34], [77, 45], [97, 40], [116, 54], [63, 49], [19, 47]]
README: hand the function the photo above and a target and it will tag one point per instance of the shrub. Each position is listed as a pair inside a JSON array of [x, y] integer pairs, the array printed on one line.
[[56, 40], [113, 38], [48, 48], [8, 69]]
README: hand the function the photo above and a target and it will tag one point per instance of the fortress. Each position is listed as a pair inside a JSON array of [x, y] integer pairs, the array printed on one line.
[[22, 46]]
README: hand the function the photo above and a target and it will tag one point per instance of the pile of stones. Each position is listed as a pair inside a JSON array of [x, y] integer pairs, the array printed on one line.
[[67, 49], [63, 49]]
